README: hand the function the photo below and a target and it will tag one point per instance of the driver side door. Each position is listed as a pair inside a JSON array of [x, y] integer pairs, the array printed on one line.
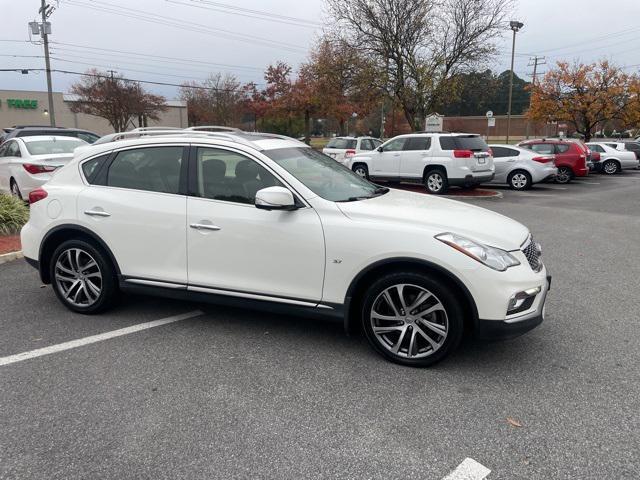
[[387, 162], [237, 249]]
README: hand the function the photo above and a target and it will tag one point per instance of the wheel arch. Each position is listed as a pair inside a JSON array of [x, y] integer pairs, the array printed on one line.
[[433, 166], [61, 233], [358, 286]]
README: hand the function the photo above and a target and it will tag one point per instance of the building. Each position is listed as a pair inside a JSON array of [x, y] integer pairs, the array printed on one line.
[[23, 107], [520, 128]]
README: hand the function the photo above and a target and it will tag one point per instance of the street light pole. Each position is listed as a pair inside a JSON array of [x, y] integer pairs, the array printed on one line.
[[515, 26], [45, 38]]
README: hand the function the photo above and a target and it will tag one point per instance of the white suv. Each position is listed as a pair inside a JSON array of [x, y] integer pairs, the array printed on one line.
[[343, 148], [438, 160], [264, 221]]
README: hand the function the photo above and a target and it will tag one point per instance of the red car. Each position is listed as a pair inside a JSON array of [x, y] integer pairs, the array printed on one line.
[[572, 156]]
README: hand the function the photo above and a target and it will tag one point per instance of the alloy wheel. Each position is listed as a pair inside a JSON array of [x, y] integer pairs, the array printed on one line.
[[519, 181], [564, 175], [78, 277], [610, 167], [361, 172], [435, 182], [409, 321]]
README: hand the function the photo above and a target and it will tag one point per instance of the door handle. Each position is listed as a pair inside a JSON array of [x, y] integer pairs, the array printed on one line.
[[204, 226], [97, 213]]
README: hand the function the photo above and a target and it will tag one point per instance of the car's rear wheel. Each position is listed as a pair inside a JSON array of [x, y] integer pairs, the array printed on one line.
[[15, 189], [411, 319], [564, 175], [435, 181], [519, 180], [610, 167], [83, 277], [361, 170]]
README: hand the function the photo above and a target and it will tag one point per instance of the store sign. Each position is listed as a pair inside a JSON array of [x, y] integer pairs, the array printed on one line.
[[25, 104], [433, 123]]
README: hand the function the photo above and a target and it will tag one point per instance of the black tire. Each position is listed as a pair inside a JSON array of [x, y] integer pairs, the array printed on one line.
[[519, 180], [565, 175], [108, 285], [610, 167], [15, 189], [361, 170], [414, 281], [436, 182]]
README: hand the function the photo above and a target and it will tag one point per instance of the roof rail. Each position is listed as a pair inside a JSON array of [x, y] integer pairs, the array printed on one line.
[[116, 137], [152, 129], [213, 128]]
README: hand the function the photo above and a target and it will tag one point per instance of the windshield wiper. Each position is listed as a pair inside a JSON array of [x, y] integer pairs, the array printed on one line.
[[376, 193]]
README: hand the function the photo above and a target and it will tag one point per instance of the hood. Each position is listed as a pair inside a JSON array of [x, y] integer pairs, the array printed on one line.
[[440, 215]]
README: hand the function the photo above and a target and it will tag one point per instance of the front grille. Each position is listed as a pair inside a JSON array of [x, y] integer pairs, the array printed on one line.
[[533, 252]]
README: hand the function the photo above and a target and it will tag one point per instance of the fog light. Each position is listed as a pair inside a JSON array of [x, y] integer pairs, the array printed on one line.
[[521, 301]]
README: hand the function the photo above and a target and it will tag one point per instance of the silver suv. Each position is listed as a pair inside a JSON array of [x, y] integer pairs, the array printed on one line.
[[437, 160]]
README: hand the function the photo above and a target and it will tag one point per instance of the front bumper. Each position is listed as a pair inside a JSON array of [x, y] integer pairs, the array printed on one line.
[[504, 329]]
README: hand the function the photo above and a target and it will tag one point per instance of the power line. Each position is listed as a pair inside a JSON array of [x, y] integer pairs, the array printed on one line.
[[246, 12], [184, 25]]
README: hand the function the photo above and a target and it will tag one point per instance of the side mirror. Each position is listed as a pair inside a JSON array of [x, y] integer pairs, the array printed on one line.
[[275, 198], [379, 149]]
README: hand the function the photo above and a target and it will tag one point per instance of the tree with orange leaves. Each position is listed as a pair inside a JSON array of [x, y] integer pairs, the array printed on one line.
[[583, 95]]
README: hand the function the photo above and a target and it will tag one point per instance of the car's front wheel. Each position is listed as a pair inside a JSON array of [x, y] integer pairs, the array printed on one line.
[[83, 277], [564, 175], [411, 319]]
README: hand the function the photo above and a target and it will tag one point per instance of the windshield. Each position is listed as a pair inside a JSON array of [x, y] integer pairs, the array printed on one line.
[[50, 146], [342, 143], [323, 175]]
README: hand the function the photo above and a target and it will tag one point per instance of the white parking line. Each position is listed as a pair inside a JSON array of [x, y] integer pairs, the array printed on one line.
[[469, 469], [60, 347], [587, 183]]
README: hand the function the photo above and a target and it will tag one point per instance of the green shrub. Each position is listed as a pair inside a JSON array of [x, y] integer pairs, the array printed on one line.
[[13, 214]]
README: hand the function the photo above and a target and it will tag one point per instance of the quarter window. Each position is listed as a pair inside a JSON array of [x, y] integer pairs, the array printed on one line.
[[230, 176], [154, 169], [13, 150], [91, 168]]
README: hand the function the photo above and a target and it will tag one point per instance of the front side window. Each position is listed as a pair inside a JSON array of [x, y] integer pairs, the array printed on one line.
[[230, 176], [154, 169], [394, 145], [324, 176], [53, 146]]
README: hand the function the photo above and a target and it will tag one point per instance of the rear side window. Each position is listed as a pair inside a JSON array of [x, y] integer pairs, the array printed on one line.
[[499, 152], [91, 168], [460, 142], [634, 147], [154, 169], [562, 148], [596, 148], [418, 143], [366, 144], [88, 137], [546, 148], [342, 143]]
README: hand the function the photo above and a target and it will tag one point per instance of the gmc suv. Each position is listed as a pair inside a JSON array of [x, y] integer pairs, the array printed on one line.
[[437, 160]]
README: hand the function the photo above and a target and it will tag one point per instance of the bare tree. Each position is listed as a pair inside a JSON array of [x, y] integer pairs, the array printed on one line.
[[218, 100], [420, 44], [115, 99]]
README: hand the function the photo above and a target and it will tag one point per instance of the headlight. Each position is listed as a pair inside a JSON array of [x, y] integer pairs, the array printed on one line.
[[490, 256]]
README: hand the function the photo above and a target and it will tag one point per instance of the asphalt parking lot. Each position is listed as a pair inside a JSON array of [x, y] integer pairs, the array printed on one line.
[[238, 394]]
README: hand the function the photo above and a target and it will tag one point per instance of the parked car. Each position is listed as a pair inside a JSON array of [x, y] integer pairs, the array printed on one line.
[[26, 163], [613, 160], [265, 221], [342, 148], [571, 156], [32, 131], [628, 146], [521, 168], [437, 160]]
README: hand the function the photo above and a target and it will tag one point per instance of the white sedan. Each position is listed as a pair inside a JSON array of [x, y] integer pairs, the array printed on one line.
[[520, 167], [27, 163], [612, 160]]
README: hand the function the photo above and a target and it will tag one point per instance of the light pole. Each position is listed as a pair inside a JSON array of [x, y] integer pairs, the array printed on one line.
[[515, 27]]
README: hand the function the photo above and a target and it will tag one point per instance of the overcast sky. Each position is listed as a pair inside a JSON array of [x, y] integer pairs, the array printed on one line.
[[203, 36]]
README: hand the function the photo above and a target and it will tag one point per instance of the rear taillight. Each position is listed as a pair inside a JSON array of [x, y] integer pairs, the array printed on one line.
[[462, 153], [490, 151], [37, 195], [595, 156], [36, 169], [543, 159], [349, 153]]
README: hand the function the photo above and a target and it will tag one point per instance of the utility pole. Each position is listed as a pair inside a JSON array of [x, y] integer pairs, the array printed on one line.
[[45, 30], [515, 26], [536, 61]]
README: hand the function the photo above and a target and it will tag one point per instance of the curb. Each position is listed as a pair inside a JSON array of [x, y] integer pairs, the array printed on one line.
[[462, 197], [8, 257]]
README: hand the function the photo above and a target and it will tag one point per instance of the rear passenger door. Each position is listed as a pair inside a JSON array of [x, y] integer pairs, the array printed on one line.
[[416, 154], [136, 202], [239, 250], [503, 160]]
